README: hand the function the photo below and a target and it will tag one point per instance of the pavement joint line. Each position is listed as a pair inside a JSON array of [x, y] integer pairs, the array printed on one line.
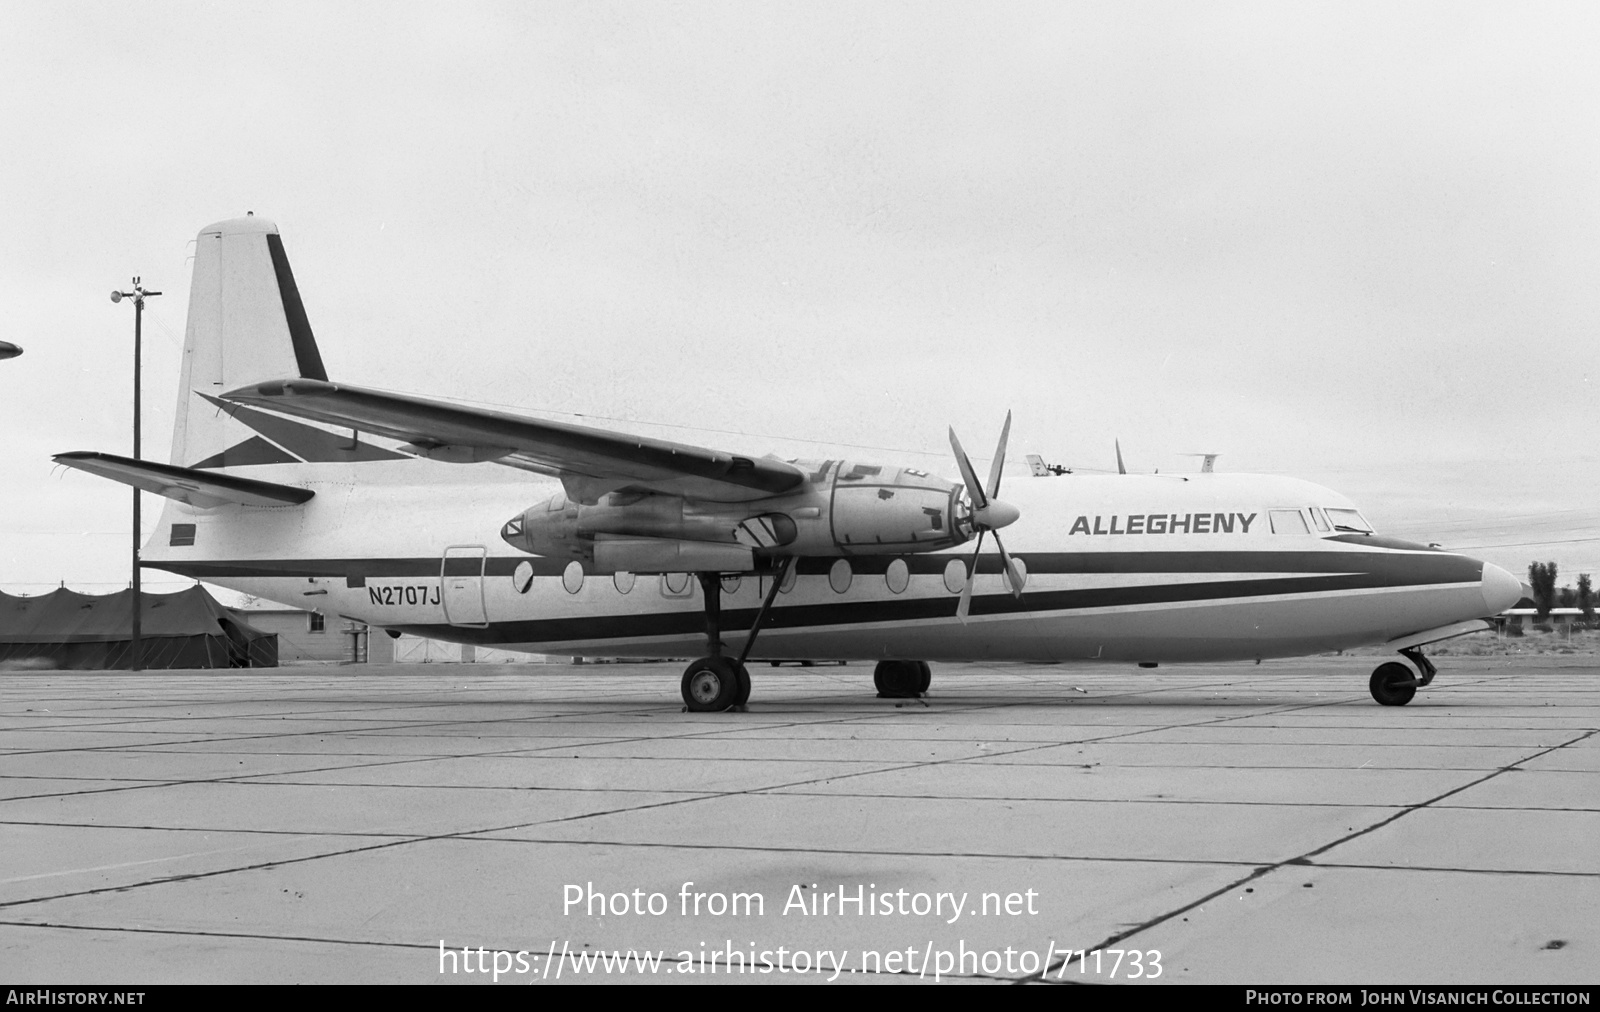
[[206, 830], [247, 777], [1449, 870], [407, 840], [975, 855], [389, 725], [215, 934], [426, 947], [1306, 858]]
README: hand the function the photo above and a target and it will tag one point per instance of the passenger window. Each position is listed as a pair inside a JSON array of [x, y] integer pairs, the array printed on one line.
[[1288, 522], [1318, 519]]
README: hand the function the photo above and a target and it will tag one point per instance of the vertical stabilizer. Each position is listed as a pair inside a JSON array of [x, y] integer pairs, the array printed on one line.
[[246, 324]]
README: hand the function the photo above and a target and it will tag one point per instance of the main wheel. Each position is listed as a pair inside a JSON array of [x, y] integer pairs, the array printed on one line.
[[1393, 684], [897, 680], [710, 685], [743, 675], [926, 678]]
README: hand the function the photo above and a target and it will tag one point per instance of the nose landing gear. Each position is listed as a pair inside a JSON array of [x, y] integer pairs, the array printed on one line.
[[1394, 684]]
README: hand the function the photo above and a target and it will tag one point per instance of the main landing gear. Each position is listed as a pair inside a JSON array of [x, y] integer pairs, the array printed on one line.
[[716, 683], [902, 679], [1394, 684]]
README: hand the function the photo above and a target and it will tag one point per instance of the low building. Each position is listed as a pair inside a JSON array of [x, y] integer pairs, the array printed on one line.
[[1517, 621], [310, 637]]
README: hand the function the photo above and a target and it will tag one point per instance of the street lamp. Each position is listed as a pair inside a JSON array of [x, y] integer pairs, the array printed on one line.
[[138, 295]]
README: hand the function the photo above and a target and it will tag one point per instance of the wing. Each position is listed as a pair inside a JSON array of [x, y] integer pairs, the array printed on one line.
[[590, 462], [204, 489]]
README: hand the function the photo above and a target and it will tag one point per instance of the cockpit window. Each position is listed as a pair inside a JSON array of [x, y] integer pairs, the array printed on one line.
[[1288, 522], [1349, 521], [1318, 519]]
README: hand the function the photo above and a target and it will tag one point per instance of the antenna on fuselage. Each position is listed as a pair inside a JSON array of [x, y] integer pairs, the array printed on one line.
[[1040, 469], [1120, 468]]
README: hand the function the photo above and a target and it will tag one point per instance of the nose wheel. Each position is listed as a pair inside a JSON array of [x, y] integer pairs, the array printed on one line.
[[1393, 684]]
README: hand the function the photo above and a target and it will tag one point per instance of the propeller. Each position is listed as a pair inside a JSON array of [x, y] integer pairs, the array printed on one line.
[[988, 514]]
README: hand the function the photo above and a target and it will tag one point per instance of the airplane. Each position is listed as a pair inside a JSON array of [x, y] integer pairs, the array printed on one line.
[[459, 523]]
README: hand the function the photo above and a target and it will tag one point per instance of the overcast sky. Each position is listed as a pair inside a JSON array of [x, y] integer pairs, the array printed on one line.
[[1355, 243]]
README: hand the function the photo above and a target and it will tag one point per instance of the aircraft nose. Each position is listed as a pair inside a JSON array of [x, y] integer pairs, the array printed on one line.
[[1501, 590]]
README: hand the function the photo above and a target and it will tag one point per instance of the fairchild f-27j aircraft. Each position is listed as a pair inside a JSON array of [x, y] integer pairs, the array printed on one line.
[[426, 517]]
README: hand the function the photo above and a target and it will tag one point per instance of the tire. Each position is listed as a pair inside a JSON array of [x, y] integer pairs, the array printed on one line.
[[1393, 684], [710, 685], [743, 695], [927, 676], [897, 680]]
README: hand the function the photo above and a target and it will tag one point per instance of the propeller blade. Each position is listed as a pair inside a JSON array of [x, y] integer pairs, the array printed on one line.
[[1012, 576], [999, 458], [968, 475], [1120, 468], [972, 577]]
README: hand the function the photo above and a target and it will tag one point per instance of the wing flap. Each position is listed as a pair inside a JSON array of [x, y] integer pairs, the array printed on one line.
[[586, 458], [204, 489]]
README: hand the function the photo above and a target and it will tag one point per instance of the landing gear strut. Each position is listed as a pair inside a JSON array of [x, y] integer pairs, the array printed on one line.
[[1414, 655], [716, 683]]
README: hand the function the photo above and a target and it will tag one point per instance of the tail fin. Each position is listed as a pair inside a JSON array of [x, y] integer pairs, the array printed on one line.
[[246, 324]]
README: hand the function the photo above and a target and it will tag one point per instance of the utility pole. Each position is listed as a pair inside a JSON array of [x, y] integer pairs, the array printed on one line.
[[138, 295]]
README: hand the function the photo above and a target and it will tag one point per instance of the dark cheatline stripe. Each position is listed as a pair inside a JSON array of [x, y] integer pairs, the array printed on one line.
[[686, 623], [315, 445], [1394, 568], [306, 355]]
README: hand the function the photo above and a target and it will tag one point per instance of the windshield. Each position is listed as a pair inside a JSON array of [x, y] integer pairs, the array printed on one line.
[[1349, 521]]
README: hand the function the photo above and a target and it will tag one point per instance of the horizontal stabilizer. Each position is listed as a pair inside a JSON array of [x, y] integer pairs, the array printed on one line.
[[204, 489]]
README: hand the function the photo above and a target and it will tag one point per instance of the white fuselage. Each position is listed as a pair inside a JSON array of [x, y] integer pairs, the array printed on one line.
[[1100, 585]]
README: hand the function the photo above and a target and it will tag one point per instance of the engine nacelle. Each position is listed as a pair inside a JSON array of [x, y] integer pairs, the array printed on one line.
[[562, 528], [846, 509], [873, 509]]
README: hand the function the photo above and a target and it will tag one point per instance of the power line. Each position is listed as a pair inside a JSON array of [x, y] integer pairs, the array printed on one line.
[[1525, 544]]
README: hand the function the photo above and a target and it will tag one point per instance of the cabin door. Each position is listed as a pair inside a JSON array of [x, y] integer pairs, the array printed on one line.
[[461, 585]]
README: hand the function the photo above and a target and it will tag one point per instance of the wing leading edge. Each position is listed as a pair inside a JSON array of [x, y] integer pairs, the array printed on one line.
[[590, 462], [205, 489]]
